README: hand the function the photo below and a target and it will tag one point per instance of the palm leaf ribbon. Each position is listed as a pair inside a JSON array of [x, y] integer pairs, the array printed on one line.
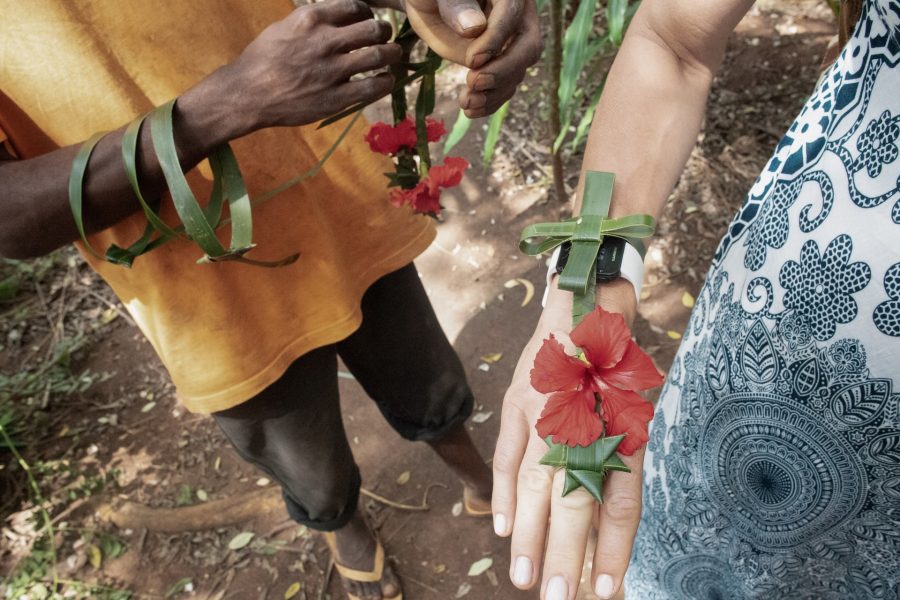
[[586, 466]]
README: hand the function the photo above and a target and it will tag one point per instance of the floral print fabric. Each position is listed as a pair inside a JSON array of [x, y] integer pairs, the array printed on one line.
[[773, 466]]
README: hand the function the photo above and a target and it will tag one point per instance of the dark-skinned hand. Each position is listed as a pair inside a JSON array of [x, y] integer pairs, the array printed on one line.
[[498, 43]]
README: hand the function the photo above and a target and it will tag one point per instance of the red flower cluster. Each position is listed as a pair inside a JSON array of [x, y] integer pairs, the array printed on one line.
[[425, 197], [613, 370], [390, 139]]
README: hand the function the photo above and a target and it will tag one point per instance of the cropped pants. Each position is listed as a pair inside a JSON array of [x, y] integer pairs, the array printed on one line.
[[293, 429]]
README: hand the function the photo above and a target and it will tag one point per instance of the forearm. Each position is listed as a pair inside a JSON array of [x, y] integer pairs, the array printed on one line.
[[652, 107], [35, 217]]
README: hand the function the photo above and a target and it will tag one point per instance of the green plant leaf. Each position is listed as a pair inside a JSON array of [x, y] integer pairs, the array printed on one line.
[[76, 188], [584, 125], [493, 132], [616, 12], [575, 54], [459, 130]]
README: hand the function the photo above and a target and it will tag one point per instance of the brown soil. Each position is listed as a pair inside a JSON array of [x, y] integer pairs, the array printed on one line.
[[771, 67]]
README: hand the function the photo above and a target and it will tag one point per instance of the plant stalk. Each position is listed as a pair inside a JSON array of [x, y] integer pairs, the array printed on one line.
[[556, 55]]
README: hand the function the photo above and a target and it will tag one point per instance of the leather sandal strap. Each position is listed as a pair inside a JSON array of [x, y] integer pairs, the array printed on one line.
[[372, 576]]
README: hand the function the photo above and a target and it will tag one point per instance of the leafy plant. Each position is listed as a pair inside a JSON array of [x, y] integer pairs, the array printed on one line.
[[578, 57]]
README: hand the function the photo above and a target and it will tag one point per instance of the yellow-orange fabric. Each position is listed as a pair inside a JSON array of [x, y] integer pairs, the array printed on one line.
[[224, 331]]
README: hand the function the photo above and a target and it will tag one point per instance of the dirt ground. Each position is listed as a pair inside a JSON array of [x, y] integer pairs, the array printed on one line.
[[131, 428]]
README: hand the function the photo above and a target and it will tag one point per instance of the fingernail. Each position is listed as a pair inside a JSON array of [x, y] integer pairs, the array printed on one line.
[[470, 19], [604, 586], [499, 522], [523, 571], [479, 59], [557, 588]]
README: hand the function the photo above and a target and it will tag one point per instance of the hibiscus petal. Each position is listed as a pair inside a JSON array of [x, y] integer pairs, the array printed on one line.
[[571, 419], [626, 412], [635, 371], [556, 371], [603, 336]]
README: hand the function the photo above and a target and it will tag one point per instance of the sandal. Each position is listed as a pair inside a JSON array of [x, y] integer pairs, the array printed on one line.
[[372, 576], [472, 511]]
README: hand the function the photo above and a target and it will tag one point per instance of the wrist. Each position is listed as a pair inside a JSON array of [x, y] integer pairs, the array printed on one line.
[[615, 296], [212, 112]]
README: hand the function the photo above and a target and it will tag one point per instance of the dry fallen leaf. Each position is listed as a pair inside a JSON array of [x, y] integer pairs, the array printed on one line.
[[492, 358], [480, 566], [241, 540], [95, 556], [673, 334], [687, 300], [292, 591], [440, 568], [529, 288], [457, 509], [464, 589], [404, 477], [481, 417]]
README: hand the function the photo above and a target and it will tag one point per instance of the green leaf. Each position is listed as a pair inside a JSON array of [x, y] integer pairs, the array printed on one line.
[[493, 132], [584, 125], [616, 11], [459, 130], [592, 481], [575, 53], [76, 188], [189, 211]]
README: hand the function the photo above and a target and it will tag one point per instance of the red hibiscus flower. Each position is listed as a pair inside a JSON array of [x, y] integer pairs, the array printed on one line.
[[425, 197], [434, 129], [391, 139], [614, 368]]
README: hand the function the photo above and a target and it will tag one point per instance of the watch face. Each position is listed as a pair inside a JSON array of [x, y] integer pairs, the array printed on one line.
[[609, 259]]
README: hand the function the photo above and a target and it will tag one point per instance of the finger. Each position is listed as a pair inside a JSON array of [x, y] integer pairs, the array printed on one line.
[[570, 525], [465, 17], [504, 21], [620, 515], [370, 59], [335, 12], [493, 100], [532, 511], [511, 444], [366, 89], [361, 34]]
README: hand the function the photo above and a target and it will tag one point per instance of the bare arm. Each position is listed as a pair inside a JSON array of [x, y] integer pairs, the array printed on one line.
[[644, 129], [295, 72]]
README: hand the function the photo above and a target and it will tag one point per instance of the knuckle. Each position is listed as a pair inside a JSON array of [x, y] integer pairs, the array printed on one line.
[[308, 19], [622, 508], [505, 461], [376, 56], [579, 501], [535, 480]]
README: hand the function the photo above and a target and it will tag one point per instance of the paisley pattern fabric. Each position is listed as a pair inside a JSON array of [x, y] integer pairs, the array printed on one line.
[[773, 467]]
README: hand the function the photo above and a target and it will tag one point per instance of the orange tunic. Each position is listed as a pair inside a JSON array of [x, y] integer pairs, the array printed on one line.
[[225, 331]]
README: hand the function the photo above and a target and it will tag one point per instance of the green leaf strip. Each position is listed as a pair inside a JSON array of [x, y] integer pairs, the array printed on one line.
[[192, 216], [129, 156], [76, 188]]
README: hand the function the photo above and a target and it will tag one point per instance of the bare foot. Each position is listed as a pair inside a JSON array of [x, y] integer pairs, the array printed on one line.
[[459, 453], [354, 548]]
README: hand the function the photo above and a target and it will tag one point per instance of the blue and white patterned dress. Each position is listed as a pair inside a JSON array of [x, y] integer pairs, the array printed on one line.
[[773, 468]]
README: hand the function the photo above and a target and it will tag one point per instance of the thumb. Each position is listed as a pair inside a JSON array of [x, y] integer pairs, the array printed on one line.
[[465, 17]]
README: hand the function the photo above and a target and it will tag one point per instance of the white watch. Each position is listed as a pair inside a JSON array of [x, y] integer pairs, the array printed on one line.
[[632, 270]]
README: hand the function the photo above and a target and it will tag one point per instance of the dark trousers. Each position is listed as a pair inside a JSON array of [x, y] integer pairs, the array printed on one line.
[[403, 360]]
